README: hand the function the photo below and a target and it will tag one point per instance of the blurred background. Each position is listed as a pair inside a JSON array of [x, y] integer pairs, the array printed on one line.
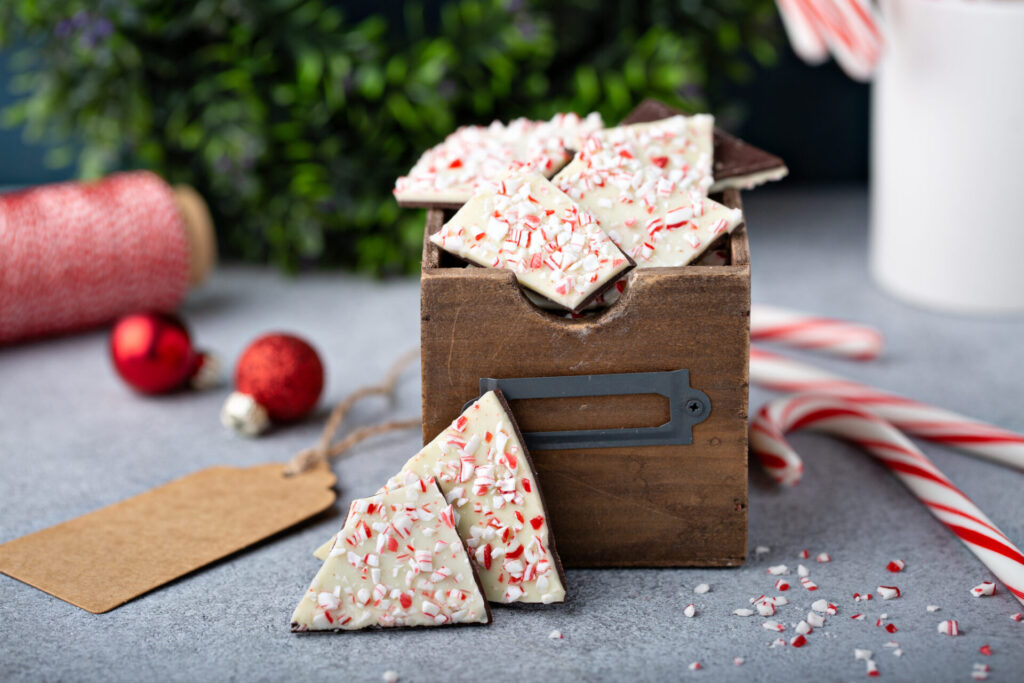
[[293, 117]]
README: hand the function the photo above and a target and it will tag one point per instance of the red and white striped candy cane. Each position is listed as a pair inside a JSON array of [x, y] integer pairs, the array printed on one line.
[[802, 331], [778, 373], [849, 28], [803, 35], [886, 443]]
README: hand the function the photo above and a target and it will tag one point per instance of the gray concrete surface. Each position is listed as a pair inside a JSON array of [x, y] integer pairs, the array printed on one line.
[[73, 438]]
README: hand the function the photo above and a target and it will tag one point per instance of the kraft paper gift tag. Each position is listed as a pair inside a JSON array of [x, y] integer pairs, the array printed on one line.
[[103, 559]]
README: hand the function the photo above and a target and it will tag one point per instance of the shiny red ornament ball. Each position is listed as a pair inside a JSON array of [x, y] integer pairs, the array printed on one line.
[[152, 352], [283, 374]]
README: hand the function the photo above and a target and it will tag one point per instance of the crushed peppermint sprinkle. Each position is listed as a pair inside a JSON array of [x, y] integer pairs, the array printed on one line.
[[526, 225], [762, 550], [555, 635], [803, 628], [804, 554], [390, 676], [857, 617], [949, 627], [701, 588], [743, 612], [889, 592], [872, 668], [475, 155], [695, 666], [1017, 616], [985, 650], [824, 607], [782, 585], [772, 625], [798, 640], [690, 610], [802, 571], [779, 642], [933, 608], [808, 584], [896, 566], [778, 570], [861, 655], [823, 557], [980, 672], [985, 588], [737, 661], [815, 619]]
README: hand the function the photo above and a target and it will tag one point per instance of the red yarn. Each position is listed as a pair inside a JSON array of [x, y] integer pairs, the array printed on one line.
[[74, 255], [283, 373]]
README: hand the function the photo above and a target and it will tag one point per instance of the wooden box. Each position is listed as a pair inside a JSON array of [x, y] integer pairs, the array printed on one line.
[[672, 505]]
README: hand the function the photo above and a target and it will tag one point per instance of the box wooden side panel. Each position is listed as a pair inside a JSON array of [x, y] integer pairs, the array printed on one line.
[[650, 506]]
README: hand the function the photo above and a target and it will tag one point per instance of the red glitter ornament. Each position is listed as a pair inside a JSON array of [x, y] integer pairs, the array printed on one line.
[[279, 377], [152, 352]]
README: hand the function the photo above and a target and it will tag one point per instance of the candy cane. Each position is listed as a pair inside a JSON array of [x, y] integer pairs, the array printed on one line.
[[775, 372], [854, 55], [802, 331], [879, 438], [803, 36]]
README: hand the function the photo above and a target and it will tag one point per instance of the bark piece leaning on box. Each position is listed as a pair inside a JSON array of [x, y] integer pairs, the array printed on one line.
[[400, 563], [449, 173], [485, 471], [524, 224], [647, 184]]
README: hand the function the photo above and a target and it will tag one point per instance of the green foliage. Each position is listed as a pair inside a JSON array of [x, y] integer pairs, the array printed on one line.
[[293, 120]]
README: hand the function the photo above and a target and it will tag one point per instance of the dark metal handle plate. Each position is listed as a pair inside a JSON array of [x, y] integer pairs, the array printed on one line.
[[687, 407]]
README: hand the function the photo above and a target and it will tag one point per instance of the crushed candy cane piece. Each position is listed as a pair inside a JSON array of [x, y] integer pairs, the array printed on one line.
[[815, 619], [896, 566], [1017, 617], [949, 627], [798, 641], [802, 571], [872, 669], [765, 609], [890, 643], [933, 608], [556, 635], [390, 677], [778, 570], [858, 617], [825, 607], [808, 584], [743, 612], [762, 550], [779, 642], [889, 592], [897, 652], [772, 625], [782, 585], [823, 557], [695, 666], [985, 650], [690, 610], [985, 588], [859, 654], [804, 554], [737, 661], [891, 628], [701, 588], [803, 628]]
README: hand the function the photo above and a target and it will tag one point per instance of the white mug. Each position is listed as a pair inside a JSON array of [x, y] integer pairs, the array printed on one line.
[[947, 155]]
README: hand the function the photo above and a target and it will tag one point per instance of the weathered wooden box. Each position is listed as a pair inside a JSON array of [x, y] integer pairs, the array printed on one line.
[[664, 505]]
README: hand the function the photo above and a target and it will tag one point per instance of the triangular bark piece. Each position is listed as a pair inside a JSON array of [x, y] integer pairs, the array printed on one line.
[[736, 163], [398, 562], [484, 470], [524, 224], [646, 184]]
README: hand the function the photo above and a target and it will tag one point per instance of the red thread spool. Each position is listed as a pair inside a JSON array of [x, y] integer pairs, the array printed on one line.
[[79, 254]]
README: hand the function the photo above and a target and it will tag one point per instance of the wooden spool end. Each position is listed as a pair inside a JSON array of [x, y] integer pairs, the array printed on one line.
[[199, 230]]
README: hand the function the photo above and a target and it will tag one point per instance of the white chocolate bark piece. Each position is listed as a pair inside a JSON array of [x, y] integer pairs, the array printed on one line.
[[484, 471], [750, 180], [526, 225], [451, 172], [647, 187], [398, 562]]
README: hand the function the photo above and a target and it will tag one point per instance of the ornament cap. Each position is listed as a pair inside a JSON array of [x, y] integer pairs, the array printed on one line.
[[242, 413], [207, 373]]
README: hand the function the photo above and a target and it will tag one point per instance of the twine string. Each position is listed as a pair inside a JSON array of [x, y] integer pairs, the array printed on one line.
[[326, 448]]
